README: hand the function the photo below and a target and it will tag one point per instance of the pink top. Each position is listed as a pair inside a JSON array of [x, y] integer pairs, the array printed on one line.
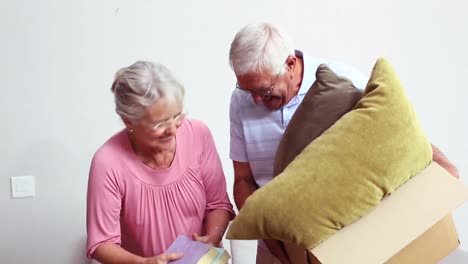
[[143, 209]]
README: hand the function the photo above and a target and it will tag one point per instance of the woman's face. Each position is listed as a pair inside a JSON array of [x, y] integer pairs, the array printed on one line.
[[157, 128]]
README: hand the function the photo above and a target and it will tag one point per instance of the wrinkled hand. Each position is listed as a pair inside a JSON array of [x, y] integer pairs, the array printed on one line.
[[163, 258], [208, 239], [275, 249], [442, 160]]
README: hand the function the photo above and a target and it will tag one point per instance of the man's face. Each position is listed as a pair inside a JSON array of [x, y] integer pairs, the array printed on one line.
[[271, 90]]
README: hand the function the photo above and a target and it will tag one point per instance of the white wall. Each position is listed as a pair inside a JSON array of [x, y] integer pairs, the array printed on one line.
[[59, 57]]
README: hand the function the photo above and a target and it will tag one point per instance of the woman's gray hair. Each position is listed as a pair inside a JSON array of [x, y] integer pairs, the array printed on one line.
[[259, 47], [140, 85]]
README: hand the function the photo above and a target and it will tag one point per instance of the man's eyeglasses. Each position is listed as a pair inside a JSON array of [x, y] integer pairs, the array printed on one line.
[[262, 91], [177, 119]]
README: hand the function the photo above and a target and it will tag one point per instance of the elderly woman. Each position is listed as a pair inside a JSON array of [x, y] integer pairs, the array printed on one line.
[[158, 178]]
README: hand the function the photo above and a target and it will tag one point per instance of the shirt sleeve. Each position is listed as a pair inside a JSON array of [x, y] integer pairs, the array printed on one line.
[[237, 150], [213, 176], [103, 206]]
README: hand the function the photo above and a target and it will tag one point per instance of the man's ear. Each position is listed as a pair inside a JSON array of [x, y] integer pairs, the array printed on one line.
[[291, 65], [291, 62]]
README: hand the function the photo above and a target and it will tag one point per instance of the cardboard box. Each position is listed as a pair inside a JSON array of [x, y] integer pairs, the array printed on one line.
[[430, 247], [413, 225]]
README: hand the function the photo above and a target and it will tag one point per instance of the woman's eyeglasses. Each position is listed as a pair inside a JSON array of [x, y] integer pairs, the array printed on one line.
[[177, 119]]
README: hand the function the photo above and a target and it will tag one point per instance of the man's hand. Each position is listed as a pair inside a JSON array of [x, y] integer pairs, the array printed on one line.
[[442, 160], [163, 258], [276, 250]]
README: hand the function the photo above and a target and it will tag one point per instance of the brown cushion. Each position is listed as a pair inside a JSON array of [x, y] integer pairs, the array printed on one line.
[[329, 98]]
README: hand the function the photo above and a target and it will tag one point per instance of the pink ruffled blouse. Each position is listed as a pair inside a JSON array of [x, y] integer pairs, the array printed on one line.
[[142, 209]]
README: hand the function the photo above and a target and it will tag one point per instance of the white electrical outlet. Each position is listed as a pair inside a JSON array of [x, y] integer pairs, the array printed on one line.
[[23, 186]]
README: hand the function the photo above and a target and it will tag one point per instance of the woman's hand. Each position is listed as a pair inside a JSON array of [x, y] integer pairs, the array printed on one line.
[[212, 239], [163, 258]]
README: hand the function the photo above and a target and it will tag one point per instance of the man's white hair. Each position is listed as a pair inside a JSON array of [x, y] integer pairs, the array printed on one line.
[[260, 48]]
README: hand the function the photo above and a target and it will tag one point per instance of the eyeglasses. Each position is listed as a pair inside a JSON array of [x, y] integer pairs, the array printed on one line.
[[262, 91], [177, 119]]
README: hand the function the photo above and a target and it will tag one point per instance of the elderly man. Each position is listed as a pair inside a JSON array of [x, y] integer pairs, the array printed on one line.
[[272, 79]]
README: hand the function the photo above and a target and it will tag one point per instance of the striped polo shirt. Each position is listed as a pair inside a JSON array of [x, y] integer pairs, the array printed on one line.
[[256, 131]]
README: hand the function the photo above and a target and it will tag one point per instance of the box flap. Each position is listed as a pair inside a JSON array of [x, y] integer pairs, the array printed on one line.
[[430, 247], [397, 220]]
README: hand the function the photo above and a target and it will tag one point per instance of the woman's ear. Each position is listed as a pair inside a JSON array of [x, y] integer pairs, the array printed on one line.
[[127, 123]]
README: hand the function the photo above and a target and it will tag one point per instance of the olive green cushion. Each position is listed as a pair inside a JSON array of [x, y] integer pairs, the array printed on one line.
[[344, 173], [330, 97]]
